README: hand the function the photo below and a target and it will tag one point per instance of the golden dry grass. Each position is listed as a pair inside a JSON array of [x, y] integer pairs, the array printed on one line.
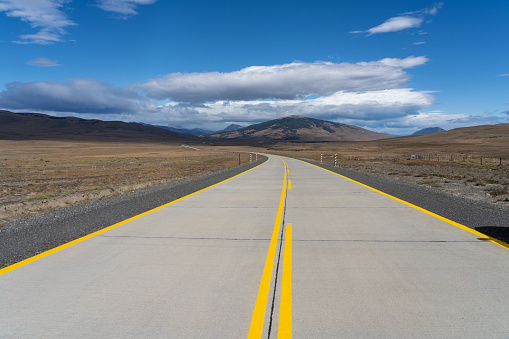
[[37, 176]]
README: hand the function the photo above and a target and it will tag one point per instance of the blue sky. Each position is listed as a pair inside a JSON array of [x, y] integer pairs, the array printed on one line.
[[391, 66]]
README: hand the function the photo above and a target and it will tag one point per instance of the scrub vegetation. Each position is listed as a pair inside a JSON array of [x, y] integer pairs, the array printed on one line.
[[39, 176]]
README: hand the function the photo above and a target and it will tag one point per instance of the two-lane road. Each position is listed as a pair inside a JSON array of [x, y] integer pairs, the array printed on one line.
[[354, 263]]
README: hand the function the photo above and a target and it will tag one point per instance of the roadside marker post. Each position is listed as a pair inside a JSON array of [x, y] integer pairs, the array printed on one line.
[[256, 157], [321, 158], [335, 159], [250, 157]]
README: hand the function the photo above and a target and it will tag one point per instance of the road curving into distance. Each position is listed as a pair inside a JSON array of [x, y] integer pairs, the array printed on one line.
[[286, 249], [28, 237]]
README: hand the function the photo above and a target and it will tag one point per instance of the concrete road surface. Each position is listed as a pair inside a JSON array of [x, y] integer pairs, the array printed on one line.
[[286, 249]]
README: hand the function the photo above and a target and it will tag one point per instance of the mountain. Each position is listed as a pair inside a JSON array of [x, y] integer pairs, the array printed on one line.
[[297, 128], [230, 128], [194, 131], [429, 130], [20, 126]]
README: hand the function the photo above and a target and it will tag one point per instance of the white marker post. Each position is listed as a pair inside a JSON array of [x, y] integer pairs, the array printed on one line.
[[335, 159], [321, 158], [256, 157], [250, 157]]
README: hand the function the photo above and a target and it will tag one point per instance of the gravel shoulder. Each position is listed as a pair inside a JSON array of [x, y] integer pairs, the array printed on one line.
[[483, 216], [24, 238]]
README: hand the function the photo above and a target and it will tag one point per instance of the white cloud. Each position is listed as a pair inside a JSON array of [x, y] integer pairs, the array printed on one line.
[[396, 24], [288, 81], [45, 15], [43, 62], [361, 92], [503, 75], [78, 95], [409, 124], [419, 43], [49, 18], [404, 21], [125, 8], [359, 106], [409, 62]]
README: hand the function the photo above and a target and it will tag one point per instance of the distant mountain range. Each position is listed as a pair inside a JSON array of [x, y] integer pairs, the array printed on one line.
[[297, 128], [292, 128], [194, 131], [429, 130], [230, 128], [29, 126]]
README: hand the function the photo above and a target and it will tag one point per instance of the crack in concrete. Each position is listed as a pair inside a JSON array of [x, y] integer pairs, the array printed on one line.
[[278, 264]]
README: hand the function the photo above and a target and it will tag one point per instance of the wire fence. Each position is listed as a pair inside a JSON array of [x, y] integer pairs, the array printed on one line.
[[468, 159]]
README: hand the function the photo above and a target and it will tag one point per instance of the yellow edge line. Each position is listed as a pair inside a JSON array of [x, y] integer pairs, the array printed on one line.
[[69, 244], [256, 327], [463, 227], [285, 310]]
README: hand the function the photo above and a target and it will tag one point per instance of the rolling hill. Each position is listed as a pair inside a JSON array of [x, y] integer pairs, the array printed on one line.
[[34, 126], [463, 134], [300, 129], [229, 128], [429, 130], [482, 139]]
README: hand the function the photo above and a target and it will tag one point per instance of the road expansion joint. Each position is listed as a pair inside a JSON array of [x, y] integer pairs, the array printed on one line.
[[391, 241], [184, 238]]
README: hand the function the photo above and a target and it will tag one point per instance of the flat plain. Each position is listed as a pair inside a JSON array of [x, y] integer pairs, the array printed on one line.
[[44, 175]]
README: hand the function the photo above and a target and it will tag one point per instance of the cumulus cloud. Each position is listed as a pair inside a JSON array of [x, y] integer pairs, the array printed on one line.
[[78, 95], [125, 8], [45, 15], [404, 21], [43, 62], [288, 81], [362, 93], [359, 106]]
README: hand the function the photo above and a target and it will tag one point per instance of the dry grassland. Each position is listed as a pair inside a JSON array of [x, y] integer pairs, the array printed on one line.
[[39, 176], [469, 179]]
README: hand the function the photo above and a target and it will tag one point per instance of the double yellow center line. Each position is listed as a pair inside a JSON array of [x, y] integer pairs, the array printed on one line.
[[285, 311]]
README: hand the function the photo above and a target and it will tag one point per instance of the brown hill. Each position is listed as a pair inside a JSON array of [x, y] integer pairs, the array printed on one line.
[[301, 129], [484, 139], [28, 126], [464, 134]]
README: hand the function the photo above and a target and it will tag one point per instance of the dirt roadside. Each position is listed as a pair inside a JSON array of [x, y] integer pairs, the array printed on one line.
[[483, 184]]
